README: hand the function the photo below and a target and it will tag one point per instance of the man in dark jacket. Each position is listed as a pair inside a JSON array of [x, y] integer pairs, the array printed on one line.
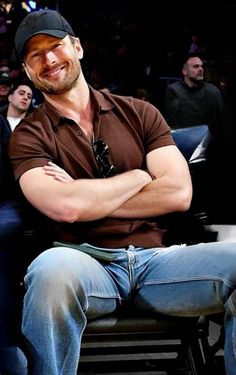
[[192, 101]]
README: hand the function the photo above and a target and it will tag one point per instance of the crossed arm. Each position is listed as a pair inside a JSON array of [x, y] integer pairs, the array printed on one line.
[[131, 194]]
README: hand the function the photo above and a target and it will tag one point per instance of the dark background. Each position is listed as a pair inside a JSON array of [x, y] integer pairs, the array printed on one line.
[[140, 44], [137, 43]]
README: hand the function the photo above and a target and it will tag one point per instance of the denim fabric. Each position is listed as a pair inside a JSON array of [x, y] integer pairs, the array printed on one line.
[[10, 224], [12, 359], [65, 287]]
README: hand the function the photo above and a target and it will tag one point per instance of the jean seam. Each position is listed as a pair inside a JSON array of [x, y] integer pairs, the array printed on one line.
[[156, 282]]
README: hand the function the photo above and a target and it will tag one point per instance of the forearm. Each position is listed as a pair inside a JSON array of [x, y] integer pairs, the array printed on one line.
[[82, 199], [99, 198], [158, 198]]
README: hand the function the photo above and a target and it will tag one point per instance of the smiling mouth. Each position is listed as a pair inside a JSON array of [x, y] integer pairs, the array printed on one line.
[[53, 73]]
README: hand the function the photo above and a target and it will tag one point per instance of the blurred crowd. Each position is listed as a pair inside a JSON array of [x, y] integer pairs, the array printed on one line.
[[131, 46], [141, 45]]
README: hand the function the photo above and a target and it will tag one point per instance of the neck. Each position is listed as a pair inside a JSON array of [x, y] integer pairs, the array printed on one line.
[[76, 105], [14, 112], [74, 102], [192, 83]]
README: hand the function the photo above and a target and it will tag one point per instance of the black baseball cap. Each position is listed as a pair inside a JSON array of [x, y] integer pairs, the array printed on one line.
[[5, 78], [45, 21]]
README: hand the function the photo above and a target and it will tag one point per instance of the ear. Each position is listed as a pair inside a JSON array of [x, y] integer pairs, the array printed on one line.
[[26, 71], [184, 70], [81, 53], [79, 49]]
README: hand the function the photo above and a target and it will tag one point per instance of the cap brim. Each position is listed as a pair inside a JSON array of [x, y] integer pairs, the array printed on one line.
[[57, 33]]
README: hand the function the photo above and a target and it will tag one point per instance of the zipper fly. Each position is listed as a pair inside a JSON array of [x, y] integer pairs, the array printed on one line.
[[131, 262]]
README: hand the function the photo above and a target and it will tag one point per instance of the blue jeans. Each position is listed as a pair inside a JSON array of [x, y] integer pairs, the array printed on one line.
[[12, 359], [10, 224], [65, 287]]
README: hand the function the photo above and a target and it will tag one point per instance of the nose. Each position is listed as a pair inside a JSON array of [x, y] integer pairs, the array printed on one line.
[[50, 57]]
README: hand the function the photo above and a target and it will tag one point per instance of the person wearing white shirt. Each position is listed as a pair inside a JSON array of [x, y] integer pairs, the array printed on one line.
[[12, 359]]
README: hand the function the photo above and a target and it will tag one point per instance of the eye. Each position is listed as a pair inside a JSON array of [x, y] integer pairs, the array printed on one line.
[[57, 45], [35, 55]]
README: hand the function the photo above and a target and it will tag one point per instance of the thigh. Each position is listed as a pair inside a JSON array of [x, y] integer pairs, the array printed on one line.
[[62, 272], [188, 281]]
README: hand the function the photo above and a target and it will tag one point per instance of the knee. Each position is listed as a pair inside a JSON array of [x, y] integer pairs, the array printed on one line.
[[54, 269]]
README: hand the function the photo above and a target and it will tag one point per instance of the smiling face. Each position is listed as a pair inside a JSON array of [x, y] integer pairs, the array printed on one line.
[[53, 64]]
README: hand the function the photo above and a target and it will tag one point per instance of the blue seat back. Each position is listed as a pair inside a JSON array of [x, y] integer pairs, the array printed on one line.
[[187, 139]]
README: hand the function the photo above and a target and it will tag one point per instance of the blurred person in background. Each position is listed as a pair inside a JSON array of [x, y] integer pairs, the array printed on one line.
[[5, 87], [19, 102], [193, 101], [12, 359]]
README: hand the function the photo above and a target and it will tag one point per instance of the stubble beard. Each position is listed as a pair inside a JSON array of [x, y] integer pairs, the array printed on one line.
[[66, 85], [197, 80]]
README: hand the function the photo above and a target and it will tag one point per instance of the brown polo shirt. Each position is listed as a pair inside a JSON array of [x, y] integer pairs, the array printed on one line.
[[130, 127]]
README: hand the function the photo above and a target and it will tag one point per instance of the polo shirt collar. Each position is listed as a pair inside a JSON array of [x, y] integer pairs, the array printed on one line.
[[100, 100]]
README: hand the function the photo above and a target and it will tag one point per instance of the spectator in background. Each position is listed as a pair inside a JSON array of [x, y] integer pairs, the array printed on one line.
[[220, 159], [196, 45], [12, 359], [142, 94], [5, 87], [192, 101], [19, 98], [4, 65], [13, 12], [3, 24]]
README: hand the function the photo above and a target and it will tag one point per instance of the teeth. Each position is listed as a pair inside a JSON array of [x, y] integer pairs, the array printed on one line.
[[54, 72]]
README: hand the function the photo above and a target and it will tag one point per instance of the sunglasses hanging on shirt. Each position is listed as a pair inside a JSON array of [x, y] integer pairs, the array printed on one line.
[[101, 152]]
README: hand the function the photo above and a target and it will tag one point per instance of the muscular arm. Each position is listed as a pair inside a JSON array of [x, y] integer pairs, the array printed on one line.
[[170, 192], [80, 200]]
